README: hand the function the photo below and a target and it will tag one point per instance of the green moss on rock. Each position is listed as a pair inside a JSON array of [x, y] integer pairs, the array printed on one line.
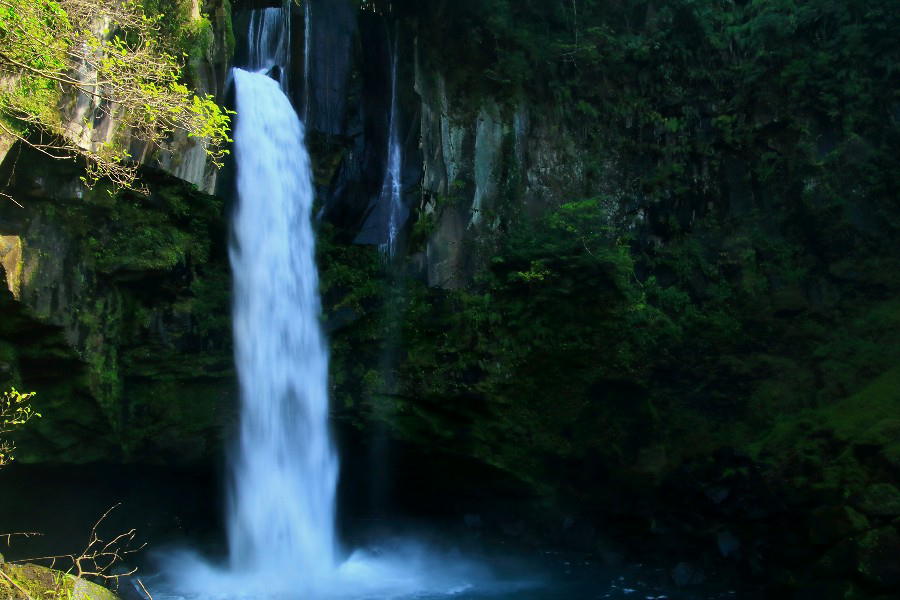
[[120, 288], [879, 500], [47, 584]]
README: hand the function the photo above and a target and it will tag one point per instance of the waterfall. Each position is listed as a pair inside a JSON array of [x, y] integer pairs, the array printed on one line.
[[281, 511], [270, 42], [282, 506], [387, 212], [391, 189]]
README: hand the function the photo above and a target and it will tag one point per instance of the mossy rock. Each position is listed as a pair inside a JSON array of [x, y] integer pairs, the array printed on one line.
[[49, 584], [820, 443], [879, 500]]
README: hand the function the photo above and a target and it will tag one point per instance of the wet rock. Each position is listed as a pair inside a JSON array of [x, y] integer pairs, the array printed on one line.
[[840, 560], [11, 262], [729, 545], [334, 27], [685, 574]]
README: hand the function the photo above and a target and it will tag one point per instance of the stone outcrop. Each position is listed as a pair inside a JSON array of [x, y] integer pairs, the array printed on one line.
[[28, 581]]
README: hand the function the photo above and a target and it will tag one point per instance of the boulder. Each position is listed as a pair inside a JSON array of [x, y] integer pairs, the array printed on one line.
[[40, 582], [686, 574]]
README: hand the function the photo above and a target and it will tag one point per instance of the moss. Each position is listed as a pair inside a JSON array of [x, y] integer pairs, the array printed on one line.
[[175, 418], [228, 29], [880, 500], [121, 287], [826, 450], [870, 416], [47, 584]]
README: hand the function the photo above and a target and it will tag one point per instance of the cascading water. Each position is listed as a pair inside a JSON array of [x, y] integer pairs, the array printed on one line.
[[281, 513], [282, 508], [307, 43], [269, 39]]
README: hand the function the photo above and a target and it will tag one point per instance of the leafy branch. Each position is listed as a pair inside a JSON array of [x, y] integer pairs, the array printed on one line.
[[67, 66], [15, 411]]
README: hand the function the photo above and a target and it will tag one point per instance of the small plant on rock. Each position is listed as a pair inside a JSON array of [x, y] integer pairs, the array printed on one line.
[[15, 410]]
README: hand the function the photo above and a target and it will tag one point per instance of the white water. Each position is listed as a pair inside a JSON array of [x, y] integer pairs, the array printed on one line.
[[388, 213], [282, 508]]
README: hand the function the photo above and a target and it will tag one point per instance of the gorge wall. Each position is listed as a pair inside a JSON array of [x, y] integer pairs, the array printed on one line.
[[647, 287]]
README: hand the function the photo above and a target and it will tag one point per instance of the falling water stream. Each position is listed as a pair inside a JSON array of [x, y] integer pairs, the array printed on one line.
[[391, 191], [286, 468]]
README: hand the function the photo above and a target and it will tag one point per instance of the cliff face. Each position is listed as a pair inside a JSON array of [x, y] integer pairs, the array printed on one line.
[[116, 305], [648, 269], [116, 313]]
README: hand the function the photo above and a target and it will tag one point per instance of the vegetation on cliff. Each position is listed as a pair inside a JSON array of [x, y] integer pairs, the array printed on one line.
[[717, 307], [105, 63], [15, 411]]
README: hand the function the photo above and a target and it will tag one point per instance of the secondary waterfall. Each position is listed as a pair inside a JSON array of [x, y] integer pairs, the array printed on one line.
[[391, 189], [269, 40], [307, 44], [387, 212]]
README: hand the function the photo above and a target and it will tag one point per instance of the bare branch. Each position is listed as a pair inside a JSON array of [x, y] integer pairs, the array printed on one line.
[[141, 583], [24, 534], [98, 556]]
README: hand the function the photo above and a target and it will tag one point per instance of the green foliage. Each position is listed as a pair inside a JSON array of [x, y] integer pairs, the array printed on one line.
[[53, 53], [478, 368], [682, 92], [15, 411]]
